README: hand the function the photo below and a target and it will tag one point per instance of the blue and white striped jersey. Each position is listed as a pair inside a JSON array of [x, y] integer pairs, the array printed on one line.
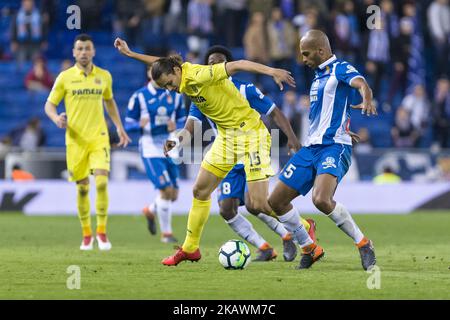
[[159, 106], [255, 97], [331, 96]]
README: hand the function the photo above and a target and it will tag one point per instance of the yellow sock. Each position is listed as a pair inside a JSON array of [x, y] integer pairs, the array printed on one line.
[[101, 205], [84, 208], [198, 215], [306, 224]]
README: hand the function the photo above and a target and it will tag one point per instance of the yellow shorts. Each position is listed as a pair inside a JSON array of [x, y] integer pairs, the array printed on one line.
[[252, 148], [81, 159]]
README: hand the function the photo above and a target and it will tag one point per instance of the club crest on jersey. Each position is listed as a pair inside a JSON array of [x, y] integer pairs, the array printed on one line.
[[169, 99], [97, 81], [329, 163]]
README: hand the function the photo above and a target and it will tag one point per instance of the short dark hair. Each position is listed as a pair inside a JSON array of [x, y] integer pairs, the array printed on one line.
[[83, 37], [218, 49], [165, 66]]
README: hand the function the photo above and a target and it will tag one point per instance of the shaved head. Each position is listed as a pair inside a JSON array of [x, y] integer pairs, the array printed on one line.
[[315, 48]]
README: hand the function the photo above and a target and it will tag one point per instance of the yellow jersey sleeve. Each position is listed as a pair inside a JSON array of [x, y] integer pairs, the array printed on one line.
[[58, 92], [200, 74], [108, 93]]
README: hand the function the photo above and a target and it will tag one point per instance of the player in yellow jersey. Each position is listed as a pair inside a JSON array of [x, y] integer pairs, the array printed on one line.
[[242, 137], [84, 88]]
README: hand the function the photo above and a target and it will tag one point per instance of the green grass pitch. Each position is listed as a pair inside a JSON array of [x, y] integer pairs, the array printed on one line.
[[413, 253]]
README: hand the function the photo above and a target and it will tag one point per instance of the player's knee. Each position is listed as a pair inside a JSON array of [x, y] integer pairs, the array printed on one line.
[[101, 183], [322, 202], [227, 211], [166, 193], [83, 190], [250, 208], [200, 193]]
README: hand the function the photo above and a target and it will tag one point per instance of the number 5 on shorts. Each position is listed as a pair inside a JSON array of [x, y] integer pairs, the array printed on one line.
[[289, 171]]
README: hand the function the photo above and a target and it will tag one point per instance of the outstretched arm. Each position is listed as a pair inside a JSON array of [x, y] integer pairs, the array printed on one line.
[[283, 123], [123, 48], [279, 75], [367, 105], [113, 112], [181, 137]]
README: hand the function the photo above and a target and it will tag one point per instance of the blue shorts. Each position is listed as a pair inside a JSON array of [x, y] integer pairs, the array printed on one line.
[[234, 185], [301, 170], [162, 172]]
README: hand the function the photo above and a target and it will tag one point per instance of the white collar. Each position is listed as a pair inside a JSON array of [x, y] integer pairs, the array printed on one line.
[[151, 88], [324, 64]]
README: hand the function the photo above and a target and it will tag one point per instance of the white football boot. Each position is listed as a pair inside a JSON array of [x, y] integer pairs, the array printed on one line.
[[103, 242], [87, 244]]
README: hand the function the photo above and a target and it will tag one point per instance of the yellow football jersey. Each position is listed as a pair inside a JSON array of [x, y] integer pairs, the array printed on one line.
[[83, 98], [217, 97]]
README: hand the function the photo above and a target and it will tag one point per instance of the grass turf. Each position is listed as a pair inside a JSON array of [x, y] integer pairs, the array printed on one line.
[[412, 251]]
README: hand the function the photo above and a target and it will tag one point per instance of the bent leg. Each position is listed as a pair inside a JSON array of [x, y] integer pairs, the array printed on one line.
[[324, 188], [204, 185]]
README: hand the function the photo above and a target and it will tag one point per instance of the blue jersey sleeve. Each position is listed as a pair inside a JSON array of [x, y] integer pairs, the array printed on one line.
[[258, 100], [133, 114], [194, 112], [345, 72]]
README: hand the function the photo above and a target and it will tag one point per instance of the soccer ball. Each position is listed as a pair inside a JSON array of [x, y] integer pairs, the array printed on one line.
[[234, 254]]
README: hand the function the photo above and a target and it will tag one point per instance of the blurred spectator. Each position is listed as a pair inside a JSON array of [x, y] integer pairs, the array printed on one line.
[[378, 56], [364, 145], [346, 32], [320, 6], [291, 110], [39, 78], [263, 6], [128, 19], [18, 174], [282, 40], [152, 28], [30, 137], [28, 32], [304, 107], [441, 113], [176, 17], [439, 24], [404, 135], [390, 18], [387, 177], [5, 146], [418, 106], [200, 26], [91, 12], [66, 64], [401, 52], [288, 7], [193, 57], [255, 39], [235, 18], [306, 20], [49, 10]]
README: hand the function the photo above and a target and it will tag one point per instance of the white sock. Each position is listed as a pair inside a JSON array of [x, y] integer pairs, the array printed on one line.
[[291, 221], [345, 222], [273, 224], [152, 207], [164, 212], [245, 229]]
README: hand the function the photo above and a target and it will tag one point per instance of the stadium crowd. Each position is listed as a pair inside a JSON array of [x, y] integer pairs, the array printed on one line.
[[404, 54]]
